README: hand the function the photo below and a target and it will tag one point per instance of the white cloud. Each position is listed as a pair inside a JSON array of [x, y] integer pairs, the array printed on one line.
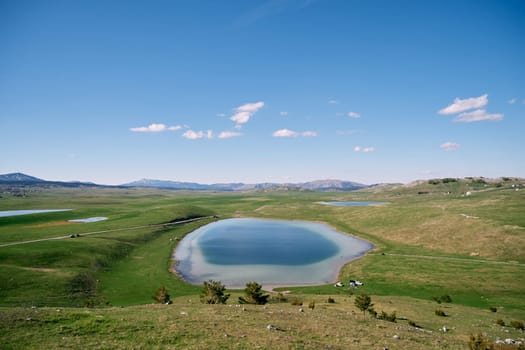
[[349, 132], [243, 113], [156, 128], [477, 116], [450, 146], [309, 134], [194, 135], [364, 149], [285, 133], [221, 115], [291, 133], [333, 102], [283, 113], [511, 101], [460, 105], [354, 115], [229, 134]]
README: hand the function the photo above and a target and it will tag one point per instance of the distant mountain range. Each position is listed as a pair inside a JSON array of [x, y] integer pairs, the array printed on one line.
[[320, 185]]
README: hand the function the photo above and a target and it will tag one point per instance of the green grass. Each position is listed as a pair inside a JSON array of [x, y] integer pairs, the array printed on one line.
[[425, 247]]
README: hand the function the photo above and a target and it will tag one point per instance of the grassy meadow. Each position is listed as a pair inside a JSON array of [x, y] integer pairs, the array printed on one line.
[[432, 239]]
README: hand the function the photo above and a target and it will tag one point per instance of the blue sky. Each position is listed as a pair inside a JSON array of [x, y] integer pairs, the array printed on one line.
[[255, 91]]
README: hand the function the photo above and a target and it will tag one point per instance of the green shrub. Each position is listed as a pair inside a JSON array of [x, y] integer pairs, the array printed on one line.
[[413, 324], [161, 296], [311, 304], [440, 312], [253, 294], [446, 298], [479, 342], [493, 309], [331, 300], [280, 298], [297, 302], [517, 324], [363, 302], [213, 293], [387, 317], [500, 322]]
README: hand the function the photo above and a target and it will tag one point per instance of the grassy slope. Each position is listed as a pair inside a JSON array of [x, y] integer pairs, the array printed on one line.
[[130, 265]]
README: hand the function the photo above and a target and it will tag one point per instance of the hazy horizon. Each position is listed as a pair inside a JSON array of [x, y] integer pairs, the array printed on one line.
[[281, 91]]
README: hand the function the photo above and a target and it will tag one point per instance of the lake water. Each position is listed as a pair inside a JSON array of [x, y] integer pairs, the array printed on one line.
[[352, 204], [88, 220], [270, 252], [6, 213]]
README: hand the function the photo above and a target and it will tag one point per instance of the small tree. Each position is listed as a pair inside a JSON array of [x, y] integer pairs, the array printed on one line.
[[254, 294], [213, 293], [161, 296], [363, 302]]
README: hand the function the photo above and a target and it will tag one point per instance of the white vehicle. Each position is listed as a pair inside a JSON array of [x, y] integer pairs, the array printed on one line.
[[339, 284], [355, 283]]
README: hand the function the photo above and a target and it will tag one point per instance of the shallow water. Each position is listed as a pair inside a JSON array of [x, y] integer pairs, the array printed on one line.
[[6, 213], [352, 204], [270, 252], [88, 220]]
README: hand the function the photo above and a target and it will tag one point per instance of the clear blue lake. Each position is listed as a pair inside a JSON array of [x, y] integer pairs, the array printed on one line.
[[270, 252]]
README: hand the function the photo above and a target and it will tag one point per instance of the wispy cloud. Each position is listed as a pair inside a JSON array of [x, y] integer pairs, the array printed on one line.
[[477, 116], [194, 135], [291, 133], [229, 134], [364, 149], [349, 132], [333, 102], [511, 101], [156, 128], [243, 113], [283, 113], [270, 8], [354, 115], [221, 115], [460, 105], [449, 146]]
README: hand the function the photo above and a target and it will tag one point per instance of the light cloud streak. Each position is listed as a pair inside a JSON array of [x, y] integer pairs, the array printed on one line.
[[359, 149], [229, 134], [449, 146], [354, 115], [283, 113], [477, 116], [460, 105], [511, 101], [291, 133], [156, 128], [195, 135], [243, 113]]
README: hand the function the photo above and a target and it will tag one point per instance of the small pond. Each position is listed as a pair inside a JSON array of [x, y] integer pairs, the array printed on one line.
[[270, 252], [352, 204], [88, 220], [6, 213]]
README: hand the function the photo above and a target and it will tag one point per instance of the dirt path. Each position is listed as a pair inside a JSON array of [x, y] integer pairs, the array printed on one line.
[[456, 259], [104, 231]]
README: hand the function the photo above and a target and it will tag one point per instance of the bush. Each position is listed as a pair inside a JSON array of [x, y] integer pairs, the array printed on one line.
[[413, 324], [517, 324], [311, 304], [161, 296], [493, 309], [280, 298], [479, 342], [254, 294], [500, 322], [440, 312], [384, 316], [363, 302], [446, 298], [297, 302], [213, 293], [330, 300]]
